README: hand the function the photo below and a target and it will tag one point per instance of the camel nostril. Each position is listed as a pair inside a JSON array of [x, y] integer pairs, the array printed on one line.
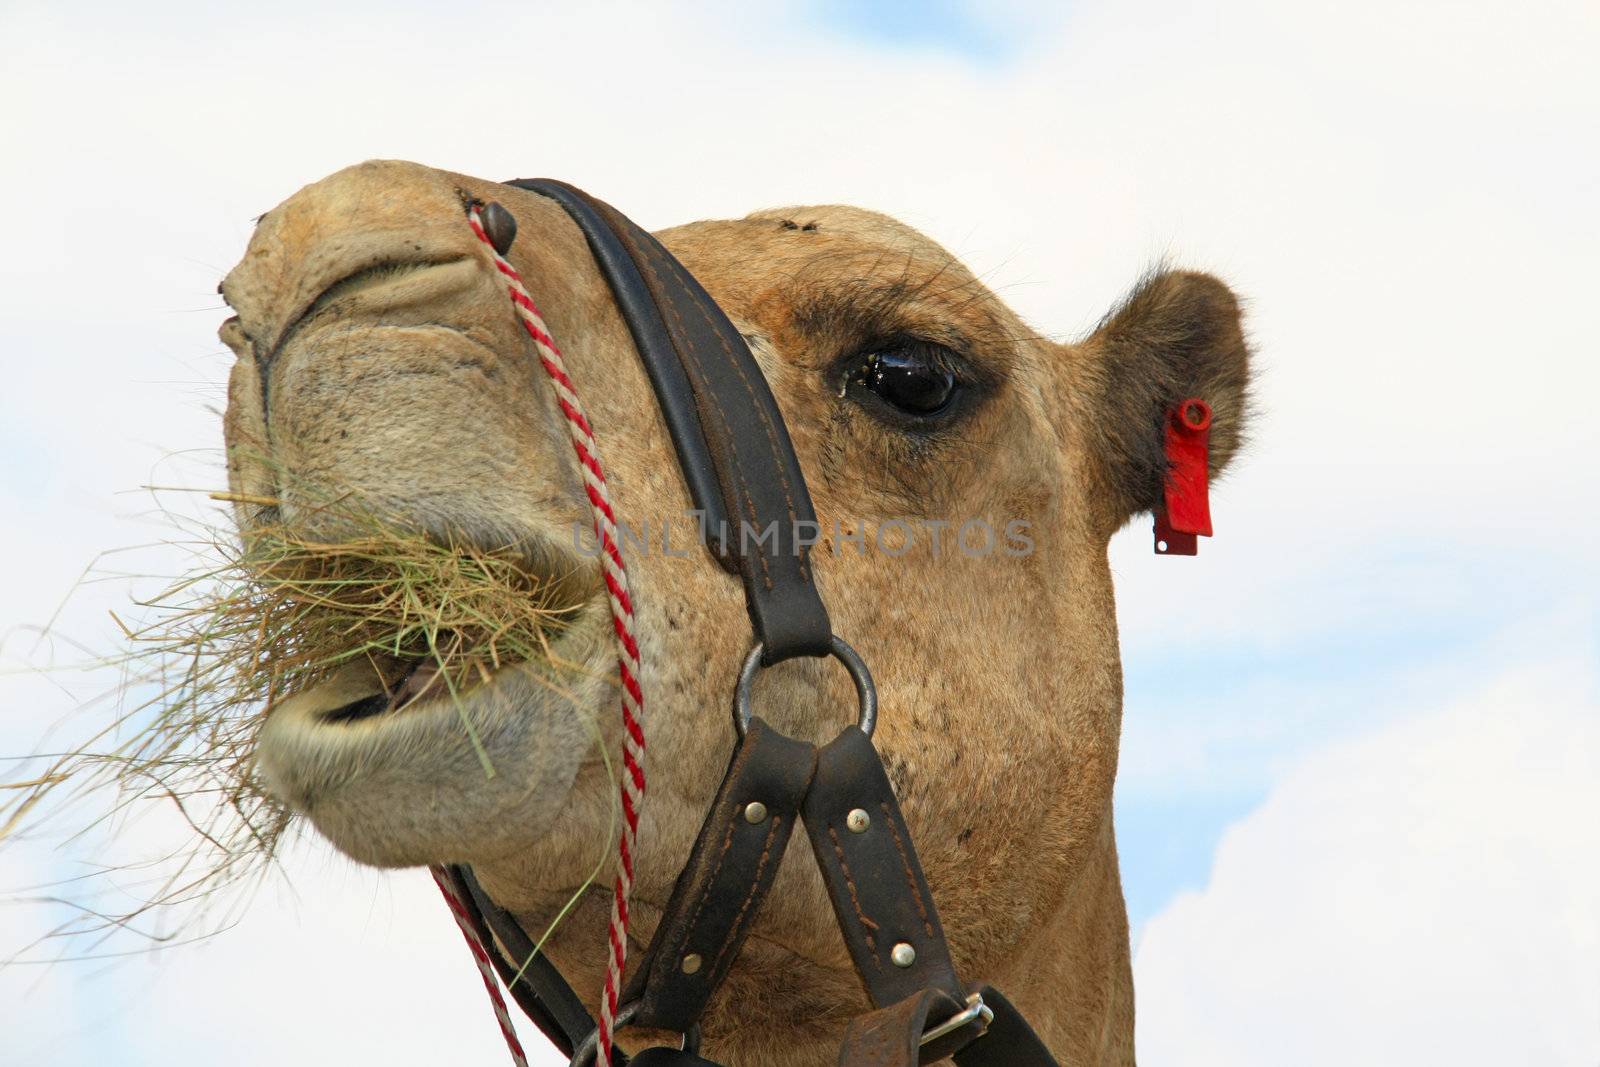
[[500, 225]]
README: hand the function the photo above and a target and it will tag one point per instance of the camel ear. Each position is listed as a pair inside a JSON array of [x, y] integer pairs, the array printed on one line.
[[1177, 335]]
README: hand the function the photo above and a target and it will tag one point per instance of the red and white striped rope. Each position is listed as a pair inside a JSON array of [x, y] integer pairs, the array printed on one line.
[[480, 956], [616, 578]]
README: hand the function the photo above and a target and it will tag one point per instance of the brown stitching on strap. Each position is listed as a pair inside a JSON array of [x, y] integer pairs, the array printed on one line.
[[711, 881], [867, 924], [755, 883], [642, 256], [727, 840], [772, 436], [687, 350], [905, 864]]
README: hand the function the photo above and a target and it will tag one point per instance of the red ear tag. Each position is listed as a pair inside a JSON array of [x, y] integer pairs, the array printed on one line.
[[1185, 511]]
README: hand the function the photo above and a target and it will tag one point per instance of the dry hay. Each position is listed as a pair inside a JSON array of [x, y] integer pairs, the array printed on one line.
[[268, 612]]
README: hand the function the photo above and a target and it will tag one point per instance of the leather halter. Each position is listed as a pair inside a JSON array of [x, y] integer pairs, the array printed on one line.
[[732, 445], [744, 478]]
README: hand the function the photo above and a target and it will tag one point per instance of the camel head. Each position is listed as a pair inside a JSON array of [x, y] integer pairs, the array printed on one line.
[[967, 474]]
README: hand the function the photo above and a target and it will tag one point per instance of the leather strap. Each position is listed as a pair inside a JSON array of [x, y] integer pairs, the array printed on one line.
[[535, 984], [1009, 1041], [892, 1036], [730, 870], [660, 1056], [732, 445], [881, 899]]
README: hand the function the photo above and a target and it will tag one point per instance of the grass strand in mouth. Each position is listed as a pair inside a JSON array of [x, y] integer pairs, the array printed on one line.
[[271, 611], [397, 599]]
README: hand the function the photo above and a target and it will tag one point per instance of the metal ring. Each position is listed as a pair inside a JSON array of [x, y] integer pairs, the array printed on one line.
[[586, 1048], [866, 692]]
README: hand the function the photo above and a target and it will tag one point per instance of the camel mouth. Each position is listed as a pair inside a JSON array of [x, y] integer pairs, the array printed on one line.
[[378, 691], [404, 684], [389, 619], [395, 686], [449, 668], [463, 667]]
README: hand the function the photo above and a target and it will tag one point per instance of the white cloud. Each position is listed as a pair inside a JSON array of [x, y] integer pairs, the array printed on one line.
[[324, 961], [1428, 893], [37, 1006], [332, 960]]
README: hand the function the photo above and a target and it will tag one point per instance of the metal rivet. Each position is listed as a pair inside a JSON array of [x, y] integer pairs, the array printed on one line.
[[858, 821], [755, 811], [903, 955], [691, 963], [500, 225]]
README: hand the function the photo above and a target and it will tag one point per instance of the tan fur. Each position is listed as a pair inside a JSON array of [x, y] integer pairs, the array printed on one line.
[[1000, 676]]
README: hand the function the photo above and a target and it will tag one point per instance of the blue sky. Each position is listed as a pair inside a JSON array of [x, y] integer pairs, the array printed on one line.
[[1403, 577], [957, 28]]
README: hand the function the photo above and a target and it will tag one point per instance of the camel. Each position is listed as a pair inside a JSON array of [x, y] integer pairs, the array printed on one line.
[[376, 350]]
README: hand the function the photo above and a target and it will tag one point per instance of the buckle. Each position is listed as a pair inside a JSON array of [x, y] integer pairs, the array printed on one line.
[[974, 1009]]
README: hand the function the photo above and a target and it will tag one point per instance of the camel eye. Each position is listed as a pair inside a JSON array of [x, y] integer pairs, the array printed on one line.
[[915, 378]]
